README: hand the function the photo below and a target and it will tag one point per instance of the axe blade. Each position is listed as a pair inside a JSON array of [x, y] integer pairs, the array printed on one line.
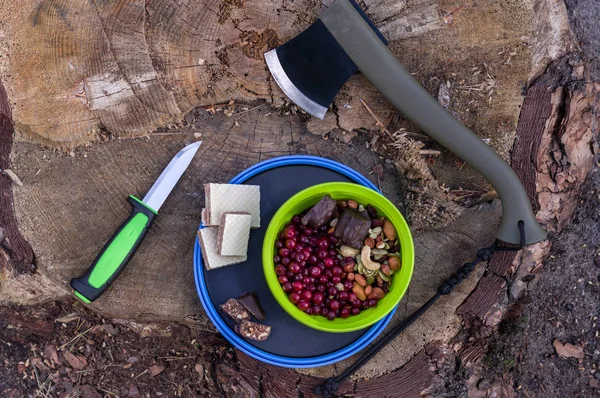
[[312, 67]]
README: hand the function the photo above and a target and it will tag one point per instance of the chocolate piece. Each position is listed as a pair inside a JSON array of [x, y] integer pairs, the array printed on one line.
[[233, 309], [353, 227], [251, 303], [320, 213], [253, 331]]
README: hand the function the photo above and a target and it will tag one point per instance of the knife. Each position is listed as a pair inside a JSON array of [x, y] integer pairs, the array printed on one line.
[[122, 246]]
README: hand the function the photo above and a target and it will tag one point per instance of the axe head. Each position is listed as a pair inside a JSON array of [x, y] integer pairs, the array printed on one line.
[[312, 67]]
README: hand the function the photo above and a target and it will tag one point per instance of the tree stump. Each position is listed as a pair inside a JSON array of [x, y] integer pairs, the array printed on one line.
[[93, 81]]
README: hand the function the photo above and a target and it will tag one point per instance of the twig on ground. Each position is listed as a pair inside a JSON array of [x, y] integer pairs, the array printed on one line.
[[144, 372], [74, 338], [431, 152], [175, 358], [377, 121], [248, 110]]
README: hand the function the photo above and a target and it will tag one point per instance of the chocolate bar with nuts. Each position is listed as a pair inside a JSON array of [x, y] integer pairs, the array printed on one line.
[[250, 301], [233, 309], [253, 331]]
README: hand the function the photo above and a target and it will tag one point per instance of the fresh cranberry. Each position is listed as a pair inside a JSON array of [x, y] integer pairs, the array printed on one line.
[[313, 259], [316, 309], [298, 286], [321, 288], [306, 295], [329, 262], [332, 239], [280, 270], [289, 274], [307, 231], [284, 252], [332, 291], [300, 257], [282, 279], [304, 240], [323, 243], [309, 311], [315, 272], [290, 244], [352, 297], [306, 272], [343, 296], [287, 287], [322, 254], [276, 259], [312, 287], [318, 297], [332, 253], [285, 260], [328, 273], [307, 280], [324, 311], [281, 235], [330, 284], [279, 244], [299, 248], [344, 313], [324, 228], [298, 278], [323, 279], [334, 305], [357, 304], [289, 232], [312, 240], [294, 267], [336, 279], [372, 303], [337, 271], [294, 297], [296, 220], [348, 285], [303, 305], [331, 315], [365, 304], [355, 311], [326, 301]]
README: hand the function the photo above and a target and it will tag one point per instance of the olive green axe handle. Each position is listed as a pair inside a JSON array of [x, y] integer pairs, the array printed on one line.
[[386, 73]]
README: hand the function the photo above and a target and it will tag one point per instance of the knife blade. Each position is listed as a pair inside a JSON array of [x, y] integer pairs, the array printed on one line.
[[117, 252]]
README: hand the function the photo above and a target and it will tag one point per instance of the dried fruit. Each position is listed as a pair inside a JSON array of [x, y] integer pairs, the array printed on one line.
[[359, 291], [370, 242], [368, 290], [376, 294], [388, 230], [349, 267], [394, 263], [360, 279], [353, 204], [365, 257]]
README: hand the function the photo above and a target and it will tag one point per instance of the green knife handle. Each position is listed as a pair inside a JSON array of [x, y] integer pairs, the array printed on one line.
[[382, 68], [116, 253]]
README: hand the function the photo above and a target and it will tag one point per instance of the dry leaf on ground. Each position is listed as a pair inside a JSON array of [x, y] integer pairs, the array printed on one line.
[[76, 361], [155, 370], [568, 350]]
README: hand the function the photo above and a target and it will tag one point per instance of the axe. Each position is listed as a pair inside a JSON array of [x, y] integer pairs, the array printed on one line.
[[313, 66]]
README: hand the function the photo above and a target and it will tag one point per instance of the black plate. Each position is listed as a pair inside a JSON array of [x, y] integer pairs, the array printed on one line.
[[289, 337]]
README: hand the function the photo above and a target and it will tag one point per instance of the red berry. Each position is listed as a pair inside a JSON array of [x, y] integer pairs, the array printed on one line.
[[279, 244], [287, 287], [355, 311], [294, 267], [337, 270], [303, 305], [298, 277], [309, 311], [315, 272], [348, 285], [323, 243], [331, 315], [318, 298], [336, 279], [352, 297], [372, 303], [332, 239], [285, 260], [304, 240], [343, 296], [344, 313], [316, 309], [284, 252], [324, 311], [276, 259], [328, 262], [282, 279], [289, 232], [321, 288], [307, 280], [280, 270], [334, 305], [307, 231], [313, 259], [298, 286], [306, 295], [312, 288], [300, 257], [323, 279], [332, 253], [357, 303], [332, 291], [294, 297], [322, 254], [290, 244], [289, 274]]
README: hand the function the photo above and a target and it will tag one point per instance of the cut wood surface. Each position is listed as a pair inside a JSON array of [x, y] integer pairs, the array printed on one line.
[[99, 73]]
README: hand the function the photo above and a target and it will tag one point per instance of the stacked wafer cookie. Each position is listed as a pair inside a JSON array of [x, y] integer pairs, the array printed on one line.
[[231, 210]]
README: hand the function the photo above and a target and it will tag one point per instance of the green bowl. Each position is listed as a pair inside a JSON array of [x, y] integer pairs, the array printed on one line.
[[340, 190]]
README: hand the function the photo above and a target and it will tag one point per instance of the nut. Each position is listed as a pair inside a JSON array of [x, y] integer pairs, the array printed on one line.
[[370, 242], [379, 281], [380, 245], [350, 276], [359, 291], [389, 230], [376, 294], [353, 204], [365, 257], [358, 278], [349, 267], [348, 251], [368, 289], [379, 239], [386, 269], [394, 263]]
